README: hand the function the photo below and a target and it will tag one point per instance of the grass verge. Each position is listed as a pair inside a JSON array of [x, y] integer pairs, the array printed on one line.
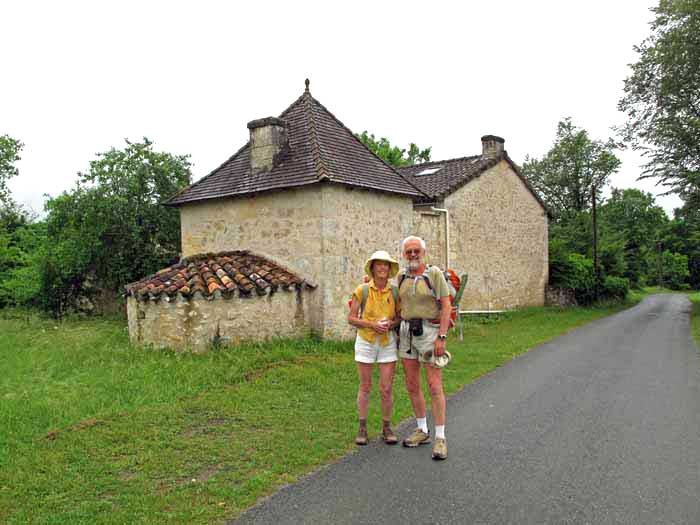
[[695, 317], [93, 430]]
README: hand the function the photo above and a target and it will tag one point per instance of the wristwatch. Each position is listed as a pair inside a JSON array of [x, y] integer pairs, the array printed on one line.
[[441, 336]]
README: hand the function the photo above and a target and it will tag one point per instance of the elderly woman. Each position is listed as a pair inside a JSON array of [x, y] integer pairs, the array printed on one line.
[[373, 311]]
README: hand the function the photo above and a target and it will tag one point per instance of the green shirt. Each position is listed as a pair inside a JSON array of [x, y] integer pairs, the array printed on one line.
[[418, 302]]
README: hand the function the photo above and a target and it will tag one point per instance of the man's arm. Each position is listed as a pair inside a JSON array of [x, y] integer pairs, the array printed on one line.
[[445, 310]]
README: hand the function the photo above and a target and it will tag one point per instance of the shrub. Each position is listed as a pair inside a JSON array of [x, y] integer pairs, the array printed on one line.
[[614, 287], [575, 272], [674, 269]]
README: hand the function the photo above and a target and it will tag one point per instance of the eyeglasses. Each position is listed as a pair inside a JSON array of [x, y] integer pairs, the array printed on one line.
[[412, 252]]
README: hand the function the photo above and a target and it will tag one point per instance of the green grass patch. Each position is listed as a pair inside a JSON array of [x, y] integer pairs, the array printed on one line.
[[695, 317], [93, 430]]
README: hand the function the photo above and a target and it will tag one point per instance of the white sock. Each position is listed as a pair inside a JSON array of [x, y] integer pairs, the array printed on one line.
[[440, 431], [422, 423]]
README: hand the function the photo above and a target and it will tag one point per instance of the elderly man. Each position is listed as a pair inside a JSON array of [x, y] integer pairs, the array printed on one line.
[[425, 315]]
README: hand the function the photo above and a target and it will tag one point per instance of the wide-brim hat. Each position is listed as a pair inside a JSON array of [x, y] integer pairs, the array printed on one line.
[[381, 255]]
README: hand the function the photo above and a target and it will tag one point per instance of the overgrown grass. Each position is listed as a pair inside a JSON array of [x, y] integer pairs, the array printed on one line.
[[93, 430], [695, 317]]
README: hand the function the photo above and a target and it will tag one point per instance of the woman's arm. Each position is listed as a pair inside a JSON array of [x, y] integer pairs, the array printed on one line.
[[354, 319]]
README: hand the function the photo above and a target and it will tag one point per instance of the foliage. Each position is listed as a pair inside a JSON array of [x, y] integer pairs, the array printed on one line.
[[112, 224], [673, 270], [9, 154], [394, 155], [662, 97], [575, 163], [614, 287], [631, 217], [574, 272], [21, 240], [21, 256], [683, 236]]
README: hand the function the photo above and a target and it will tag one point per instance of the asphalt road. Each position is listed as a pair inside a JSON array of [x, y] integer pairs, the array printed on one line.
[[599, 426]]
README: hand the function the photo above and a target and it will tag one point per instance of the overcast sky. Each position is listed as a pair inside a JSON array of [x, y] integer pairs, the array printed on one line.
[[77, 78]]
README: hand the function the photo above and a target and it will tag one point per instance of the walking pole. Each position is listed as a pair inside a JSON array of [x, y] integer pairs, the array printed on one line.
[[458, 298]]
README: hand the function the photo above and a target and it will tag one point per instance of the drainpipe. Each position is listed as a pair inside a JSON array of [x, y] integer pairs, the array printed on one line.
[[447, 234]]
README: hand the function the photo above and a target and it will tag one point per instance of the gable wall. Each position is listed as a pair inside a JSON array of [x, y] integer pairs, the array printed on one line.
[[499, 235], [430, 226], [284, 225], [355, 224]]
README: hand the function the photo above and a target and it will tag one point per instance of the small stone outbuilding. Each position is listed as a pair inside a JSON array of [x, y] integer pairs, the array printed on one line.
[[306, 193], [218, 298]]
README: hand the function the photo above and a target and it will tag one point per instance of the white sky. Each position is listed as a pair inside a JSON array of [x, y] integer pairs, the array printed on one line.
[[76, 78]]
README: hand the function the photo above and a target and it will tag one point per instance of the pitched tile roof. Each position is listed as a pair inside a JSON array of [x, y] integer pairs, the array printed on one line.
[[322, 149], [216, 274], [446, 176]]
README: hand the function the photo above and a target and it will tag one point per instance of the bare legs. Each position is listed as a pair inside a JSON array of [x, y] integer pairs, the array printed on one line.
[[411, 369], [386, 381]]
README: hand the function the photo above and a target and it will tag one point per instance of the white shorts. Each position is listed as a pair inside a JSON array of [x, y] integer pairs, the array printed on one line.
[[366, 352]]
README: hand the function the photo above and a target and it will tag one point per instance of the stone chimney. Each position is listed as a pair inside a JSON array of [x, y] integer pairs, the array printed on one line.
[[492, 146], [268, 143]]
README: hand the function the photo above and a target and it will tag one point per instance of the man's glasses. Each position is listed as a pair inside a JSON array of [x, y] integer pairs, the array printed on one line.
[[412, 252]]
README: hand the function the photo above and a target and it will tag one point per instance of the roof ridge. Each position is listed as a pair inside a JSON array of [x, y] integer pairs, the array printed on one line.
[[365, 146], [240, 150], [440, 161], [321, 169]]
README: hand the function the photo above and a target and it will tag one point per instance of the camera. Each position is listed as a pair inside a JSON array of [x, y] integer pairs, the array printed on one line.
[[416, 327]]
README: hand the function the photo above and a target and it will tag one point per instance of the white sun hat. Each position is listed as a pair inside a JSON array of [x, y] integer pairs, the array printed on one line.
[[381, 255]]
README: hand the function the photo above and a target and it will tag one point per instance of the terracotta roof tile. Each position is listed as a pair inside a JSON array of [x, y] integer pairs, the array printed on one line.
[[322, 149], [225, 272]]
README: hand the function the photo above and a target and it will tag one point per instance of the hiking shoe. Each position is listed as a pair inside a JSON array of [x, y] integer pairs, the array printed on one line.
[[440, 449], [417, 438], [389, 436], [361, 438]]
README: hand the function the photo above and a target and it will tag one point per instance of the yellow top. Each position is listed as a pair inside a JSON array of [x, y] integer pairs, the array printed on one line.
[[380, 305]]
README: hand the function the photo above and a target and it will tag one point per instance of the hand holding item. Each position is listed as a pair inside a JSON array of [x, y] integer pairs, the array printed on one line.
[[382, 326], [439, 347]]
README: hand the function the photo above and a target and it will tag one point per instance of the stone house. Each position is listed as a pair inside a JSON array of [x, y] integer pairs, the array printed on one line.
[[306, 197]]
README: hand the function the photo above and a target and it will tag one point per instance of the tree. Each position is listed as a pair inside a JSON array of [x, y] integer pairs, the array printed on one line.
[[9, 154], [632, 217], [565, 175], [394, 155], [112, 224], [683, 237], [662, 98]]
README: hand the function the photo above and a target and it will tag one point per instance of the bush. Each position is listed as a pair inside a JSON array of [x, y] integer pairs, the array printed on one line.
[[614, 287], [575, 272], [674, 269]]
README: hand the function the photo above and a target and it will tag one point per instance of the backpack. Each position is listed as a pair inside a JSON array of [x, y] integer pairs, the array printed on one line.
[[453, 284], [365, 295]]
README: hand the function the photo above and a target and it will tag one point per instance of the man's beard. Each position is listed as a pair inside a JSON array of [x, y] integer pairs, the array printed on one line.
[[413, 264]]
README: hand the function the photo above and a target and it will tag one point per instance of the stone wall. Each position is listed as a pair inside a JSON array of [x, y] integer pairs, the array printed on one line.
[[323, 232], [284, 225], [355, 224], [195, 323], [499, 236], [430, 226]]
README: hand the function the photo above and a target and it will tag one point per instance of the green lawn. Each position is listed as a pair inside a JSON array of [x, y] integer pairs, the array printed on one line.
[[93, 430]]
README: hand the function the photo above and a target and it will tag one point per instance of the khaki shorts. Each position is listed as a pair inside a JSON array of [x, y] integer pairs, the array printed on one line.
[[418, 346], [366, 352]]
